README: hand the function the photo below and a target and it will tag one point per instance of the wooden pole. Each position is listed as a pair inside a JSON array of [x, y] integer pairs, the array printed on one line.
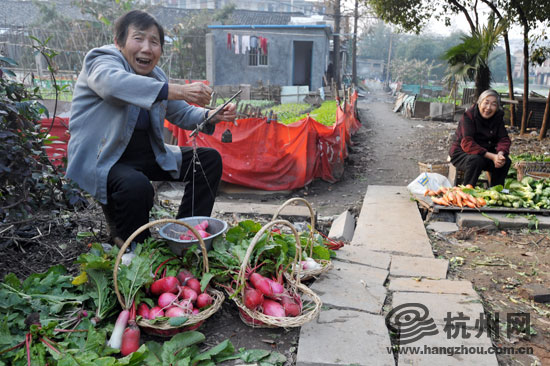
[[544, 126]]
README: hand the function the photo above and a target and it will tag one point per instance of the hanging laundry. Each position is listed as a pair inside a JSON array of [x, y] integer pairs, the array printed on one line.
[[263, 45], [236, 43], [253, 42], [245, 43], [229, 41]]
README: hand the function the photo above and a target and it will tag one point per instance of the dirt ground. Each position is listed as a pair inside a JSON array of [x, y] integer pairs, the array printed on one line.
[[506, 267]]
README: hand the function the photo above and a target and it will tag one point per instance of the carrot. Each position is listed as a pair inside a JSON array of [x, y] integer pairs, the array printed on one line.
[[459, 201], [451, 197], [470, 204], [469, 186], [471, 198], [440, 201], [428, 192], [481, 201], [461, 194], [444, 189]]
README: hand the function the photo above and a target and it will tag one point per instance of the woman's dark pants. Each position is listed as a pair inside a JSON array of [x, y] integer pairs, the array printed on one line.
[[131, 194], [474, 165]]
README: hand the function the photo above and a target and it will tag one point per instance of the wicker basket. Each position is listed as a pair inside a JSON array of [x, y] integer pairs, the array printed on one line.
[[440, 167], [311, 302], [326, 265], [534, 169], [163, 328]]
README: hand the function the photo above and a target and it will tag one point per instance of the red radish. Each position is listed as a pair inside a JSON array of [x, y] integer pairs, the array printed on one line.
[[166, 284], [116, 338], [261, 284], [202, 226], [291, 307], [130, 339], [166, 299], [175, 312], [143, 310], [186, 305], [156, 312], [195, 311], [188, 293], [204, 300], [276, 287], [194, 284], [253, 298], [203, 233], [184, 276], [273, 308]]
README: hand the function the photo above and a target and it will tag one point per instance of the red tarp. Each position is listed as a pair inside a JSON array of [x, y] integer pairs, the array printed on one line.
[[268, 156], [57, 150], [273, 156]]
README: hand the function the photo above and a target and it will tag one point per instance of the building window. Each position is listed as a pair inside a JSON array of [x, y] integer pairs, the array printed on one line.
[[256, 57]]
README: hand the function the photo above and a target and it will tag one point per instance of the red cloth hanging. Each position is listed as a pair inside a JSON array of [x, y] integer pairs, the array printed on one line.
[[263, 45], [229, 41]]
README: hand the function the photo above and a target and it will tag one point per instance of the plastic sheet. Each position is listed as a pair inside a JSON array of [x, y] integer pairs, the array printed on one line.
[[273, 156]]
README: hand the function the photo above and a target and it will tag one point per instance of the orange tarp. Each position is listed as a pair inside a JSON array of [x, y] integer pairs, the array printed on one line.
[[273, 156]]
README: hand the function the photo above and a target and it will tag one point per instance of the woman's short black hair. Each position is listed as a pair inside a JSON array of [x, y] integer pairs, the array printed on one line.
[[139, 19]]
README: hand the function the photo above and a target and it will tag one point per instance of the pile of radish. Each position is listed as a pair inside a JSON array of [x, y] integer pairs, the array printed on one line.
[[179, 296], [201, 229], [270, 297]]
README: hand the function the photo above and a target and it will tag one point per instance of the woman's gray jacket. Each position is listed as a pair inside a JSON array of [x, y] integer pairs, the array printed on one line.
[[106, 102]]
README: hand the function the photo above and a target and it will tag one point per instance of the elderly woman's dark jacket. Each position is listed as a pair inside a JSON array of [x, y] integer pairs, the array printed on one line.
[[477, 135]]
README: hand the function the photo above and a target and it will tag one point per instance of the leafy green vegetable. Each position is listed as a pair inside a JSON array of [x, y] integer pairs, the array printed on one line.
[[133, 277], [98, 267]]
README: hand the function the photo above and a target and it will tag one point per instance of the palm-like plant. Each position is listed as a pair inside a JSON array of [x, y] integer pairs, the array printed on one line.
[[469, 60]]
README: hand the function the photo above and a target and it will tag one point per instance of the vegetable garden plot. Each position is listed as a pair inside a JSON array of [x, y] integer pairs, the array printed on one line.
[[273, 156]]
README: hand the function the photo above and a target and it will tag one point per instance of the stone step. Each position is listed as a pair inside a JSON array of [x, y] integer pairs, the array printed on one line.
[[390, 222], [352, 286], [345, 337], [433, 268]]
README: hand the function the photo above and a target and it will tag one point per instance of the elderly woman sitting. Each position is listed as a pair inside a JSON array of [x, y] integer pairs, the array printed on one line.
[[481, 142]]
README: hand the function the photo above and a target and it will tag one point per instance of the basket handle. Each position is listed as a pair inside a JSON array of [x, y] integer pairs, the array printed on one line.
[[312, 218], [139, 231], [255, 240]]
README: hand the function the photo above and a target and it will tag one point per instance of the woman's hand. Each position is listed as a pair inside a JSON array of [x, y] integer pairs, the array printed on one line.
[[195, 93], [229, 113], [498, 159]]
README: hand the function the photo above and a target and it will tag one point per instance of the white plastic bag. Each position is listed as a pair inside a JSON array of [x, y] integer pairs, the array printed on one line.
[[426, 181]]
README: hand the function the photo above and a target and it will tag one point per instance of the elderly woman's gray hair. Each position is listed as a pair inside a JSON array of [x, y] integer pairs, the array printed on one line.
[[489, 93]]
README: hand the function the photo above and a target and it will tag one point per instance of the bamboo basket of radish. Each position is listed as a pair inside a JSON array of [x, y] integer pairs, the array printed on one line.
[[270, 304], [173, 300], [310, 267]]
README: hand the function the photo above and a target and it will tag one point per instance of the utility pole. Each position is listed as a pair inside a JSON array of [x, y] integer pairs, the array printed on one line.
[[336, 44], [354, 56]]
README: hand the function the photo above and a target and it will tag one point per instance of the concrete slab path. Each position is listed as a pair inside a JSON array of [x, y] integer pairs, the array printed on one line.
[[387, 283]]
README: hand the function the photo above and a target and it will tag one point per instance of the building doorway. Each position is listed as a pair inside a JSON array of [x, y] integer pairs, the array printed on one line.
[[303, 53]]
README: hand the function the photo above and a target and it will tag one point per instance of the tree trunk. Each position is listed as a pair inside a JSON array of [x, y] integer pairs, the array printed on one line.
[[544, 126], [354, 60], [510, 80], [336, 50], [524, 117]]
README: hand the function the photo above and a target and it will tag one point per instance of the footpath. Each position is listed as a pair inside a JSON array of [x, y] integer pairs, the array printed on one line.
[[390, 265]]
